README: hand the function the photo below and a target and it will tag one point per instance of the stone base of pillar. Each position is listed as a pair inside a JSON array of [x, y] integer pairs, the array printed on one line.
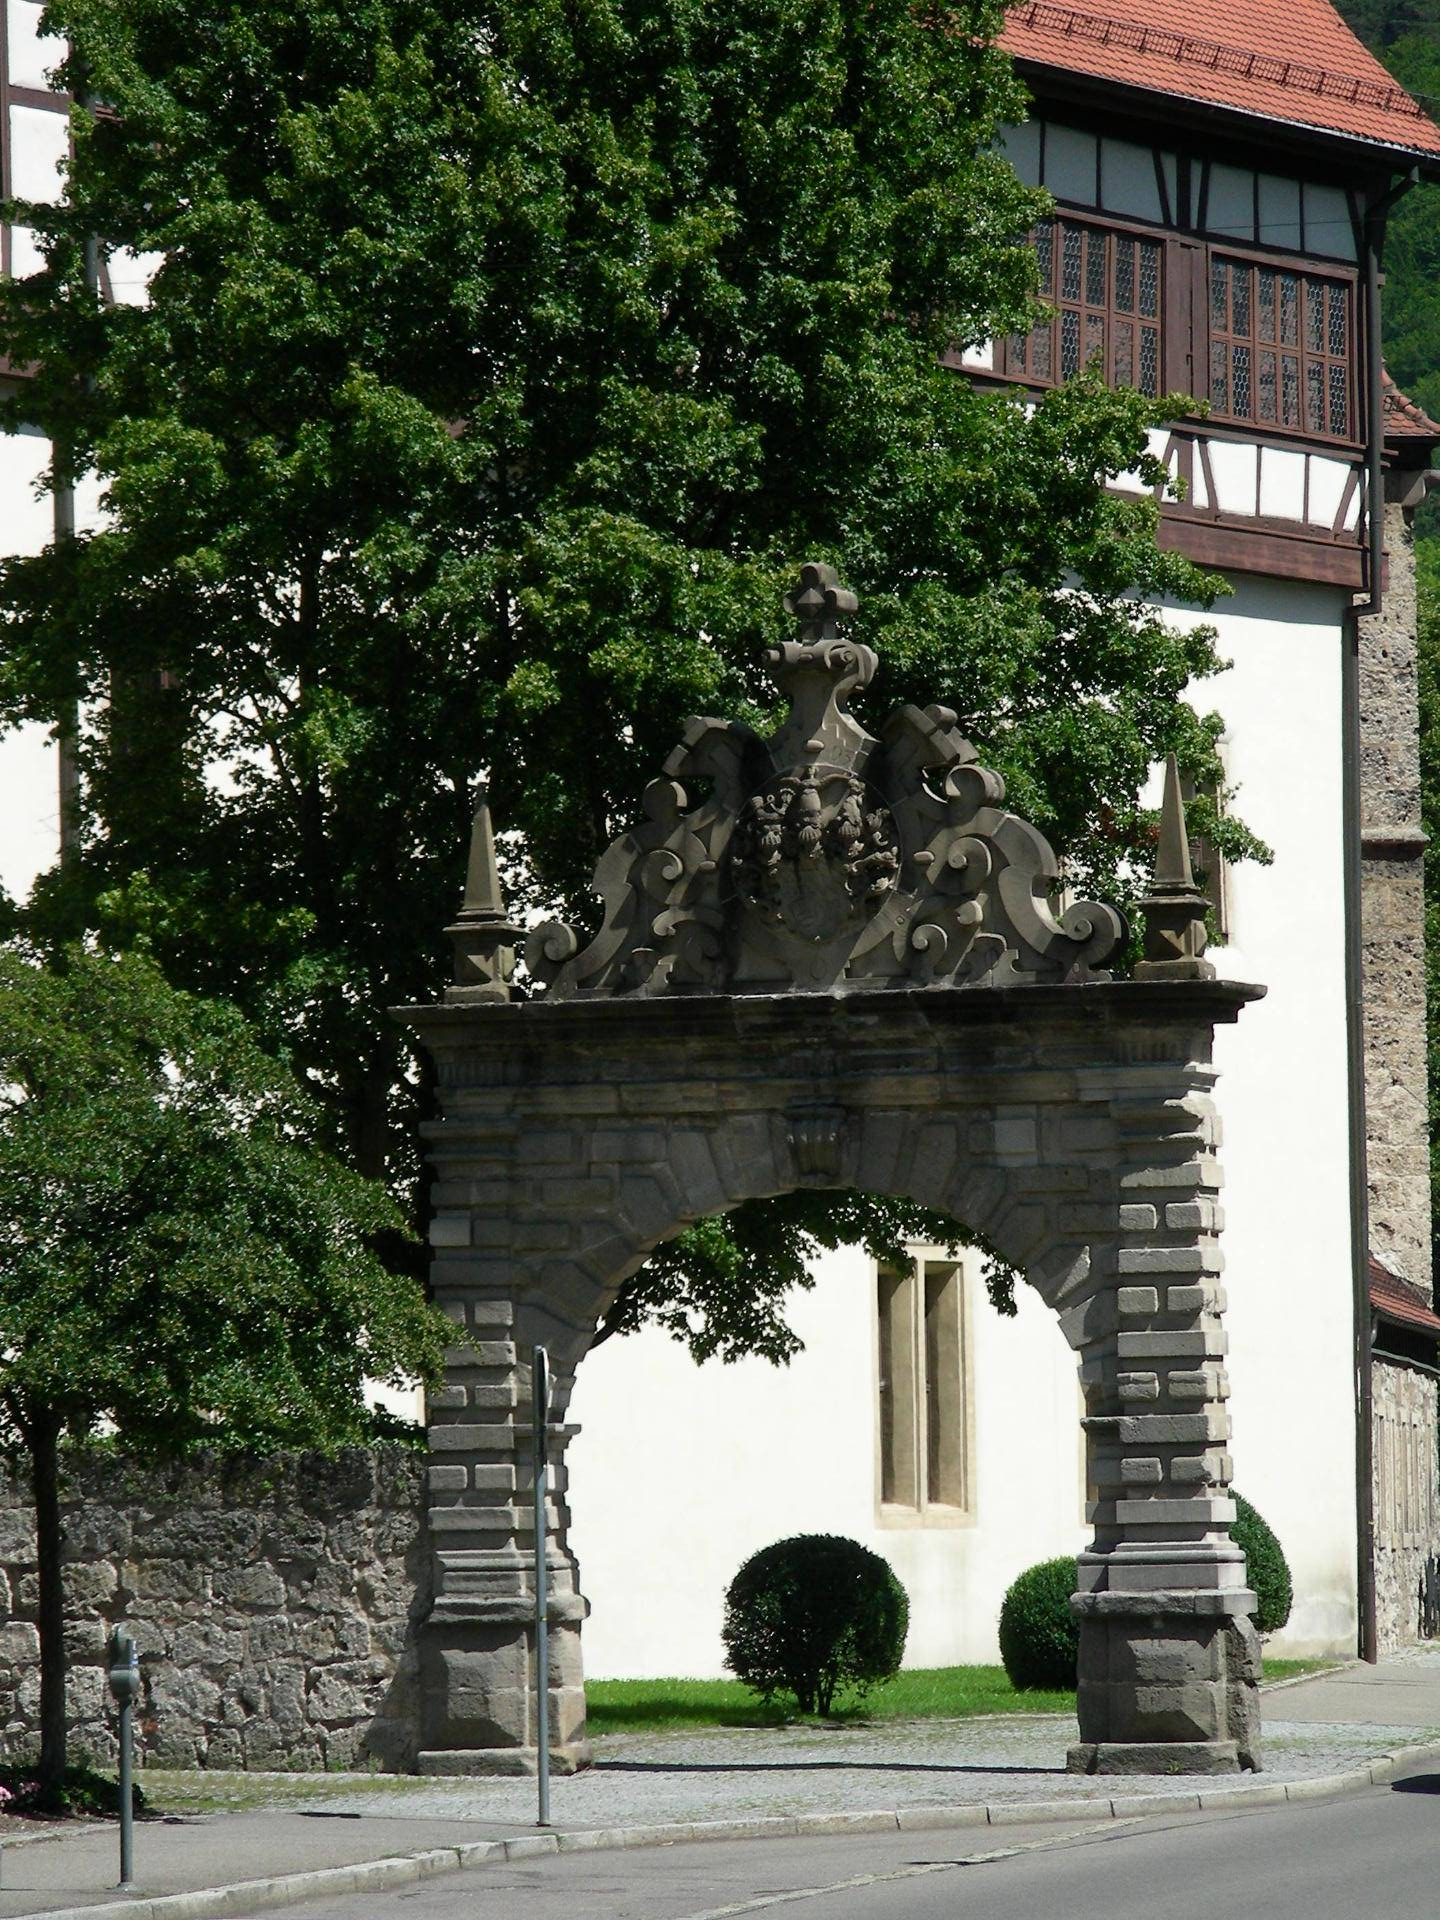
[[1152, 1756], [570, 1757], [478, 1688], [1168, 1682]]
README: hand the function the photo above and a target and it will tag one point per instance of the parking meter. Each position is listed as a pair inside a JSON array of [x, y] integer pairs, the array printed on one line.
[[123, 1660]]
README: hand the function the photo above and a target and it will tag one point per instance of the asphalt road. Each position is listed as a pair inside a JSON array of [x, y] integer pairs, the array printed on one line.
[[1375, 1853]]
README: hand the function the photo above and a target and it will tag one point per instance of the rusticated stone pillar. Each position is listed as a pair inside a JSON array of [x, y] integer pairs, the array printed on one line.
[[1169, 1659]]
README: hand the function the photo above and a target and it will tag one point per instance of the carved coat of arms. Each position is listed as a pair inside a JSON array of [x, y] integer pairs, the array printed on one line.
[[825, 855], [814, 852]]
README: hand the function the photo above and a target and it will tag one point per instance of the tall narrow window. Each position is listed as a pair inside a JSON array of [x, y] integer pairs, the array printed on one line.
[[1106, 290], [899, 1465], [1280, 348], [924, 1463]]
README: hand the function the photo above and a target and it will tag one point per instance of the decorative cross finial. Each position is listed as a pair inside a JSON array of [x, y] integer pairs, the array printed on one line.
[[1174, 907], [484, 937], [818, 602]]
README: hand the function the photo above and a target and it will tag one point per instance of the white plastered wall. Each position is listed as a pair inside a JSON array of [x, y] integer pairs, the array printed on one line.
[[679, 1472], [1282, 1096], [29, 793]]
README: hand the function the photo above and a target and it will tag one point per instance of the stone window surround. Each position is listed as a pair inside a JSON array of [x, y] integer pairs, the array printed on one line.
[[956, 1437]]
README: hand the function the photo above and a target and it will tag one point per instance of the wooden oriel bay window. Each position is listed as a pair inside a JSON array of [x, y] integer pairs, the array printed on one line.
[[1269, 343], [1280, 348]]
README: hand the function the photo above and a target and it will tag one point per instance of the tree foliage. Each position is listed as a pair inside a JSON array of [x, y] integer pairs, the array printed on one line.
[[1412, 242], [178, 1260], [501, 361]]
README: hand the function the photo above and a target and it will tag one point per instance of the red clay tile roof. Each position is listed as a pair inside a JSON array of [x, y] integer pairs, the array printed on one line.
[[1400, 1301], [1405, 419], [1288, 60]]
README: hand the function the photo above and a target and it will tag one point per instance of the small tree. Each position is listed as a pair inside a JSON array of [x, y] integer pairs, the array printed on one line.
[[1039, 1635], [177, 1259]]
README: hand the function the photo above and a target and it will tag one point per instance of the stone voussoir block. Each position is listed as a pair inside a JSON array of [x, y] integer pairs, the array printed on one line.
[[1181, 1343], [1195, 1299], [1142, 1471], [1140, 1301], [1199, 1383], [1201, 1469], [1198, 1259], [1194, 1216], [1137, 1386], [1137, 1217], [1150, 1430], [1202, 1511]]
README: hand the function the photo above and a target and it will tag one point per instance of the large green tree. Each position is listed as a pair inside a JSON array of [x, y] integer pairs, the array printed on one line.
[[501, 360], [178, 1260]]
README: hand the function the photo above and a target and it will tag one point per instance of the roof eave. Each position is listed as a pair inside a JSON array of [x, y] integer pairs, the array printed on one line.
[[1255, 129]]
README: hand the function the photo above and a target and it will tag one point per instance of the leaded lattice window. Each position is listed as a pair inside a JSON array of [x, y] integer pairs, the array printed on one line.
[[1281, 348], [1106, 290]]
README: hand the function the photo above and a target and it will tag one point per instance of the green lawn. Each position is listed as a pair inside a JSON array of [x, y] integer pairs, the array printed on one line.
[[922, 1693]]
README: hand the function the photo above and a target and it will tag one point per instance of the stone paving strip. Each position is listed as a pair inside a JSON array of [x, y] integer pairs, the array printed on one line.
[[747, 1773], [648, 1790]]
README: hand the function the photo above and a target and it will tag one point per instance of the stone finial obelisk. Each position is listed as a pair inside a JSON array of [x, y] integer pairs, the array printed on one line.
[[483, 935], [1174, 907]]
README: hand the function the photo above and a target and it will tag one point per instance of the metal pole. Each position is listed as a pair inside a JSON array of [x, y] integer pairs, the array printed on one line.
[[127, 1811], [540, 1378], [125, 1685]]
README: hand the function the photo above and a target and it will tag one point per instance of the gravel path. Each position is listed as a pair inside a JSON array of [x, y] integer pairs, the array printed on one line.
[[726, 1774]]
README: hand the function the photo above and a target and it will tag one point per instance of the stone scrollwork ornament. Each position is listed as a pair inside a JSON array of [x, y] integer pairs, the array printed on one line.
[[824, 857]]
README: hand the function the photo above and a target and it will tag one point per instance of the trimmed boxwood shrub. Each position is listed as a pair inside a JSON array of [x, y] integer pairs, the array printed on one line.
[[812, 1614], [1039, 1636], [1266, 1568]]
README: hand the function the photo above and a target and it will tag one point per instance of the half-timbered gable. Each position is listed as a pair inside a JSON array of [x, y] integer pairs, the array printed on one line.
[[1220, 180]]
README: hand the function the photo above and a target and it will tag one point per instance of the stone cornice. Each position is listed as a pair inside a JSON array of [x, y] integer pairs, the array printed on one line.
[[519, 1023]]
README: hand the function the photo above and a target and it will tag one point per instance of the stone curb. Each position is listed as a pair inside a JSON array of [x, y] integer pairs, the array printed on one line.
[[398, 1870]]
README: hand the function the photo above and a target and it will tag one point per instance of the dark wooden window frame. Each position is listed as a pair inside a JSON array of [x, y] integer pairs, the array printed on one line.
[[1185, 334], [1308, 274], [1099, 315]]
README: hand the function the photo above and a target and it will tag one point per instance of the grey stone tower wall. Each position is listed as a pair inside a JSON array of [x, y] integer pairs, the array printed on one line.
[[1393, 917], [1407, 1499]]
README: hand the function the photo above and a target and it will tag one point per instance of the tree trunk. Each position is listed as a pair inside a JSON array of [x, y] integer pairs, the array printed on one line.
[[44, 1437]]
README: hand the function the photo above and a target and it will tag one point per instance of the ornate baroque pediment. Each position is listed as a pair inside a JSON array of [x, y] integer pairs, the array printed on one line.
[[824, 857]]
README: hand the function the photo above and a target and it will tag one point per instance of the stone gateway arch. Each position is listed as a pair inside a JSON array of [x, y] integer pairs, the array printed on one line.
[[834, 960]]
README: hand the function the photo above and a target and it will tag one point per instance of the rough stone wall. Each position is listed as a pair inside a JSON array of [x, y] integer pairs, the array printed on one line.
[[1407, 1497], [1393, 920], [272, 1601], [1407, 1510]]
